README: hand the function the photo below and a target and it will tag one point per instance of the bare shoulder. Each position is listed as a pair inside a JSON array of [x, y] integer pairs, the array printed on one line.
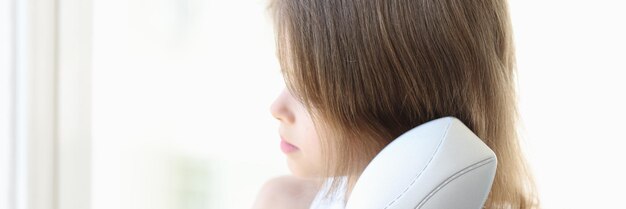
[[286, 192]]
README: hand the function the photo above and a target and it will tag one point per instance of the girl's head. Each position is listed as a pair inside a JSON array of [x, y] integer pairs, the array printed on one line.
[[359, 73]]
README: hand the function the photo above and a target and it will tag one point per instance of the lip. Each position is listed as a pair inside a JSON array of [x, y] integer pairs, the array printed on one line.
[[286, 147]]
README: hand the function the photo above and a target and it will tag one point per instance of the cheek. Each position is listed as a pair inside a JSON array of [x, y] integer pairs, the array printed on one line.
[[313, 150], [312, 146], [309, 161]]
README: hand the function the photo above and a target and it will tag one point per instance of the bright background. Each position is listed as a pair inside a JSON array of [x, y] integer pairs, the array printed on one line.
[[181, 98], [180, 92]]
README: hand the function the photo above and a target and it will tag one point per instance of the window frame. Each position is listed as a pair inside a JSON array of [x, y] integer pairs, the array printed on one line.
[[50, 88]]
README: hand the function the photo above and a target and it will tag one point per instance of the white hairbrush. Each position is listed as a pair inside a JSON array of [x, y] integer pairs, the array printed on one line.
[[440, 164]]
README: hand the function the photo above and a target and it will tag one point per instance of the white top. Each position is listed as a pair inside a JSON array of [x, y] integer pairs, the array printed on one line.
[[334, 202]]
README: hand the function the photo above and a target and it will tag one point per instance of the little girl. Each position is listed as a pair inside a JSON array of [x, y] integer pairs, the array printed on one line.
[[359, 73]]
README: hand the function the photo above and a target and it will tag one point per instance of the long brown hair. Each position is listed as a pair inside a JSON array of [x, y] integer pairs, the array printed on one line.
[[370, 70]]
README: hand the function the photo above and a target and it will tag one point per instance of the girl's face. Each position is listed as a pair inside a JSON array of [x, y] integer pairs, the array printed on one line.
[[299, 141]]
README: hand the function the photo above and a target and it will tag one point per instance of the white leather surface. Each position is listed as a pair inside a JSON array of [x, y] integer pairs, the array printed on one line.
[[440, 164]]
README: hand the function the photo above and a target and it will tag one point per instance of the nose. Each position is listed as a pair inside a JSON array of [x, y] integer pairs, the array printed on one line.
[[280, 108]]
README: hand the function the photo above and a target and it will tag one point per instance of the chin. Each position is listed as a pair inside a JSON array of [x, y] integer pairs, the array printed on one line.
[[300, 170]]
